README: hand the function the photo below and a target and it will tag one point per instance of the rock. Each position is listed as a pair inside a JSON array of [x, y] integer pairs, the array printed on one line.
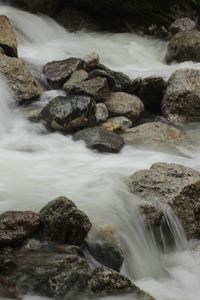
[[151, 92], [105, 282], [101, 73], [17, 225], [63, 222], [8, 290], [154, 132], [7, 37], [184, 46], [76, 77], [182, 24], [97, 88], [181, 102], [69, 113], [101, 114], [106, 253], [134, 85], [123, 104], [58, 72], [91, 61], [117, 124], [100, 139], [170, 185], [25, 87]]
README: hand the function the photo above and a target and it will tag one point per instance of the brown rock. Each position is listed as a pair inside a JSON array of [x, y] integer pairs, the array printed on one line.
[[7, 37]]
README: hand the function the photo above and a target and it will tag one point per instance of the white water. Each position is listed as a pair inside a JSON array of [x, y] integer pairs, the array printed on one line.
[[36, 167]]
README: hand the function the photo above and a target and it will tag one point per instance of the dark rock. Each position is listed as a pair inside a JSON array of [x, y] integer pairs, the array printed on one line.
[[97, 88], [101, 73], [8, 290], [69, 113], [134, 85], [57, 72], [37, 6], [181, 102], [151, 92], [182, 24], [100, 139], [7, 37], [17, 225], [63, 222], [184, 46]]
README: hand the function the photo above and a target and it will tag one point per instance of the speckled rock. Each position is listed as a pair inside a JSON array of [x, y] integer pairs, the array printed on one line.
[[7, 37], [91, 61], [76, 77], [117, 124], [101, 113], [182, 24]]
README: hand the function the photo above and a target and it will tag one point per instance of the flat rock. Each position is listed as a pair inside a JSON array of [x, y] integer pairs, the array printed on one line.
[[7, 37], [100, 139]]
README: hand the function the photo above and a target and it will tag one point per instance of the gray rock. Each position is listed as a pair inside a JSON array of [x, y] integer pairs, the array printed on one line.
[[63, 222], [184, 46], [100, 139], [17, 225], [69, 113], [7, 37], [97, 88], [101, 113], [181, 102], [123, 104], [101, 73], [91, 61], [76, 77], [57, 72], [25, 87], [182, 24], [170, 185]]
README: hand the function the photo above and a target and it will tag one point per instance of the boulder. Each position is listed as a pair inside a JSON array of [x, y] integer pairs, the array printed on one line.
[[184, 46], [151, 92], [100, 139], [8, 40], [181, 102], [101, 114], [69, 113], [154, 132], [91, 61], [63, 222], [25, 87], [17, 225], [123, 104], [76, 77], [182, 24], [169, 185], [58, 72], [117, 124], [97, 88], [101, 73]]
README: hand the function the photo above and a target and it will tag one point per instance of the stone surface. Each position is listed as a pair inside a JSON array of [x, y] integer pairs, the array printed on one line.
[[57, 72], [181, 102], [25, 87], [169, 185], [117, 124], [100, 139], [101, 113], [76, 77], [184, 46], [7, 37], [17, 225], [69, 113], [97, 88], [63, 222], [123, 104], [91, 61], [182, 24], [101, 73]]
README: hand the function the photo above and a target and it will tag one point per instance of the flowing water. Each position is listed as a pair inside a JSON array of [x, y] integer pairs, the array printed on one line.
[[36, 167]]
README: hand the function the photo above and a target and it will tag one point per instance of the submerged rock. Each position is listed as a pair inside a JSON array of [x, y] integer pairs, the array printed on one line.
[[8, 40], [182, 24], [181, 102], [17, 225], [100, 139], [170, 185], [63, 222]]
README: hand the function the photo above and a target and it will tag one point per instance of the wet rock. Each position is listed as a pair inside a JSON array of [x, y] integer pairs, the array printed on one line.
[[58, 72], [20, 80], [97, 88], [7, 37], [154, 132], [63, 222], [184, 46], [76, 77], [105, 282], [101, 114], [101, 73], [169, 185], [123, 104], [91, 61], [117, 124], [134, 86], [151, 92], [100, 139], [69, 113], [181, 102], [106, 253], [17, 225], [182, 24]]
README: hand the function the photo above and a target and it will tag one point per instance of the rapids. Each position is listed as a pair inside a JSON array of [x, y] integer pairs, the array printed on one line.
[[37, 166]]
